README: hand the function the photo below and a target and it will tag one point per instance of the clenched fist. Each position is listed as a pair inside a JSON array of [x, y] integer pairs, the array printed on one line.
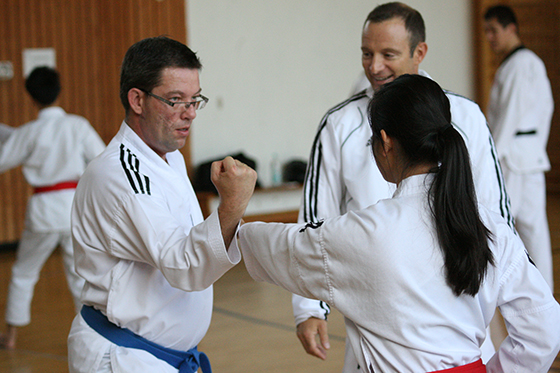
[[235, 182]]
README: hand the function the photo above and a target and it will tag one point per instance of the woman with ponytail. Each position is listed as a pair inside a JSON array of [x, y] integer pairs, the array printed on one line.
[[418, 276], [432, 146]]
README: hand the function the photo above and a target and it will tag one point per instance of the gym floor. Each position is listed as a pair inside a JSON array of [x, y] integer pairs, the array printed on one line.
[[252, 327]]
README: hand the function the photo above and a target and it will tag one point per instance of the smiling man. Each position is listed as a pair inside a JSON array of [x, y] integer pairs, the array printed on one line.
[[342, 175], [147, 257]]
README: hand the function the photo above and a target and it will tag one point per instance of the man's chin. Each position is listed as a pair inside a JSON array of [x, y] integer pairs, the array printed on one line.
[[380, 83], [181, 143], [177, 145]]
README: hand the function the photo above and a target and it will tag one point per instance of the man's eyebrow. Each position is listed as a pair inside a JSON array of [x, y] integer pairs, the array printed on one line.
[[181, 93], [391, 50], [384, 50]]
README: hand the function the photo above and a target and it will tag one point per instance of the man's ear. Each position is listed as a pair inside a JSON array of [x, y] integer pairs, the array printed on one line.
[[511, 29], [136, 100], [420, 52]]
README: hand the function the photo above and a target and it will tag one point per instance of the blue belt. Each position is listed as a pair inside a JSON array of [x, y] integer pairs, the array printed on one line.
[[186, 361]]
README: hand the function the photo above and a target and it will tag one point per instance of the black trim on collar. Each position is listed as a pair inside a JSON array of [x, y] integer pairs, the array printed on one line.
[[513, 51]]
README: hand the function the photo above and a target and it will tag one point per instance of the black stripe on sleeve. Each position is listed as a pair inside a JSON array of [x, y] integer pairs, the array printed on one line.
[[505, 205], [311, 181], [325, 308], [139, 183], [505, 210]]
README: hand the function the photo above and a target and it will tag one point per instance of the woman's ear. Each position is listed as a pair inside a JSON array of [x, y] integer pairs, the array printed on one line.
[[387, 143]]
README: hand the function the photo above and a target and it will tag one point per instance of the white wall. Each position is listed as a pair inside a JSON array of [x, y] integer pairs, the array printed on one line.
[[273, 68]]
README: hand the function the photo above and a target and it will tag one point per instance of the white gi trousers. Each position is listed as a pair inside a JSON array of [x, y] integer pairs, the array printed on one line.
[[527, 192], [33, 251]]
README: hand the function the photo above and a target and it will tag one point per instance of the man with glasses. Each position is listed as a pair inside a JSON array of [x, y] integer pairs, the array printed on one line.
[[148, 258]]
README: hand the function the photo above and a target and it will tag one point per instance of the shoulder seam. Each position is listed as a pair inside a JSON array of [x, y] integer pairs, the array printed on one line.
[[458, 95]]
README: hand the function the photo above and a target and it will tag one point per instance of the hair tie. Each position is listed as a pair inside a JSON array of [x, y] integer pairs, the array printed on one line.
[[445, 128], [441, 140]]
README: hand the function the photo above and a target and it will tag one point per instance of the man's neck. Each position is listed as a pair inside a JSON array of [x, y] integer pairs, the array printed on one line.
[[513, 45], [41, 106]]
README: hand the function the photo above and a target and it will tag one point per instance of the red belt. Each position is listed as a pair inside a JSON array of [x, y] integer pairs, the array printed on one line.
[[59, 186], [476, 367]]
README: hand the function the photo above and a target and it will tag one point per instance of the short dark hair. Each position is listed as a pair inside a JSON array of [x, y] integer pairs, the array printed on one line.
[[413, 21], [43, 84], [145, 60], [503, 14]]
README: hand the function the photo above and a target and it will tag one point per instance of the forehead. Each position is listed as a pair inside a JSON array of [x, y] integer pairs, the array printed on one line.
[[178, 79], [389, 34], [493, 24]]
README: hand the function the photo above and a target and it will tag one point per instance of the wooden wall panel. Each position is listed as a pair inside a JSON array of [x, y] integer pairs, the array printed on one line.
[[90, 38], [539, 29]]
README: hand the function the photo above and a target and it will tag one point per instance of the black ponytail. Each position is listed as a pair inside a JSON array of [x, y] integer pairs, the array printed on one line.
[[415, 112], [461, 234]]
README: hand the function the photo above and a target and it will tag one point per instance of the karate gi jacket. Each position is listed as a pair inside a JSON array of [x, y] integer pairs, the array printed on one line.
[[383, 269], [55, 147], [148, 258], [520, 112]]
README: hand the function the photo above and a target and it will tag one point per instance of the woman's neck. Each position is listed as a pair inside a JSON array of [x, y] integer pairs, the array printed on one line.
[[416, 170]]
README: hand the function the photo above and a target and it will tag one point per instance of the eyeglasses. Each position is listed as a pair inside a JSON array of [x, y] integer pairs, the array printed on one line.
[[198, 104]]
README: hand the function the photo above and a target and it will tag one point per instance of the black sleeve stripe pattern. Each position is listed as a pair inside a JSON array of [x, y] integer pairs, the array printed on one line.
[[505, 206], [139, 183], [325, 308], [311, 182]]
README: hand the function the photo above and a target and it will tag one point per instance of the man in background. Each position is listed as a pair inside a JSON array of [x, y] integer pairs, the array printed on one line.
[[519, 115], [342, 175], [53, 150]]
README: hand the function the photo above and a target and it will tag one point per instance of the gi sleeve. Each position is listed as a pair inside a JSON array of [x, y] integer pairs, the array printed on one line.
[[323, 187], [322, 197], [5, 132], [16, 148], [305, 308], [92, 143], [523, 102], [287, 256], [469, 120], [531, 315], [190, 259], [512, 105]]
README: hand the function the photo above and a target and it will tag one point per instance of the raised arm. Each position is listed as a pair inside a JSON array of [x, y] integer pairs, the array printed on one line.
[[235, 183]]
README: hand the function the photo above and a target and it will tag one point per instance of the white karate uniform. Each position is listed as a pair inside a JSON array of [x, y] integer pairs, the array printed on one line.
[[5, 132], [54, 148], [519, 115], [148, 258], [383, 269], [342, 175]]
